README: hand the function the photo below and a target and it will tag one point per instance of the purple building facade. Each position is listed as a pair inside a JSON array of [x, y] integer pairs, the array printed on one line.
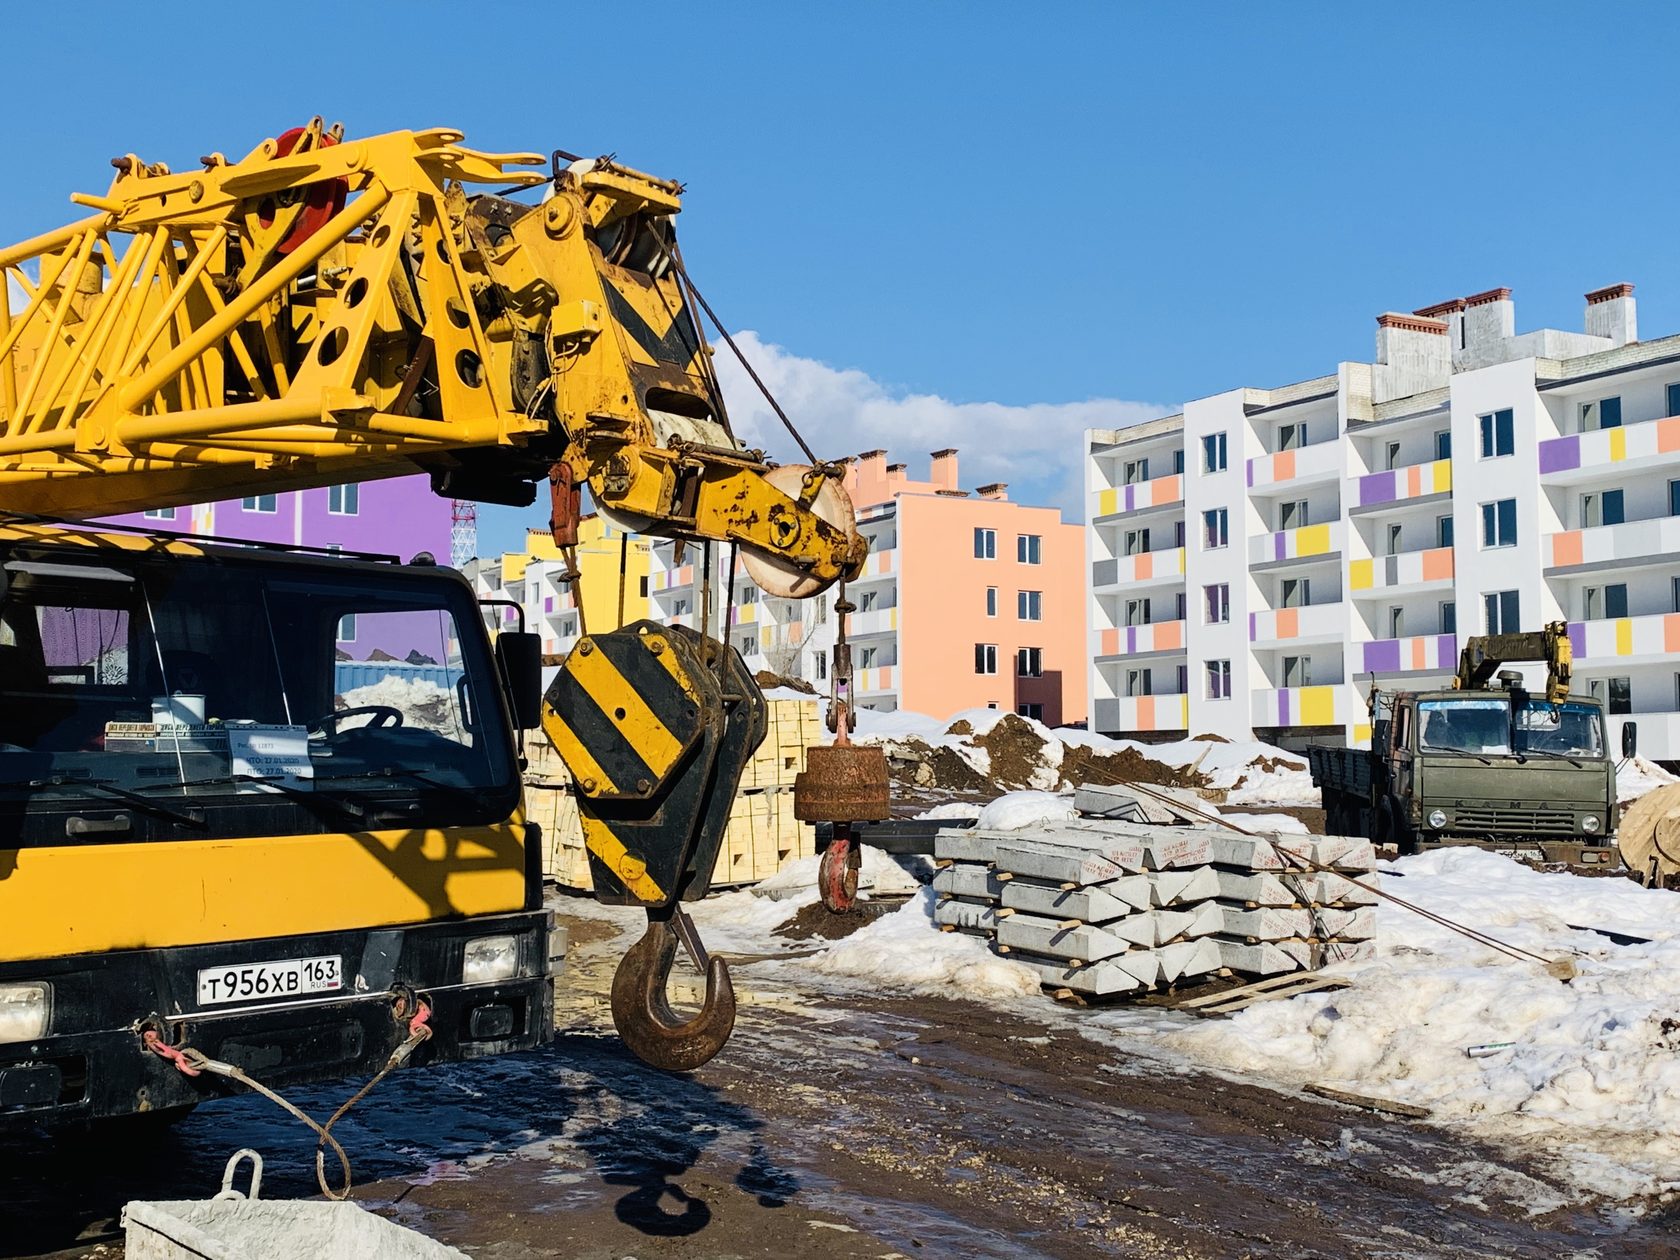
[[399, 516]]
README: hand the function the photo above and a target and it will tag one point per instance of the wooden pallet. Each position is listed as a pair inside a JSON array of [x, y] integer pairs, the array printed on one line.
[[1229, 1001]]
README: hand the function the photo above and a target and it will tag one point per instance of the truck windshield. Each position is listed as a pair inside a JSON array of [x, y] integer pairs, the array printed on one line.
[[1569, 730], [256, 694], [1480, 724]]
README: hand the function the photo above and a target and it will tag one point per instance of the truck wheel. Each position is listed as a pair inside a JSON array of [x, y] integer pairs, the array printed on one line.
[[1391, 824]]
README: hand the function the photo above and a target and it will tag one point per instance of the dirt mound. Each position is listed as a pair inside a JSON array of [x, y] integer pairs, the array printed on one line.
[[1208, 737], [916, 763], [962, 726], [1086, 765], [1018, 753], [816, 922]]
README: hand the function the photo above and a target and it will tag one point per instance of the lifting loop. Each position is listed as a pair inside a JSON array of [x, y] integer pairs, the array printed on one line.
[[642, 1013]]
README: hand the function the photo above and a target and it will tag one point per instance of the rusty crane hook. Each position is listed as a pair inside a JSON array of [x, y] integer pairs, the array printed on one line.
[[642, 1013]]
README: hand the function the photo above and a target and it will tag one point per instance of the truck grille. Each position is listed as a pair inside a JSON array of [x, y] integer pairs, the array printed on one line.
[[1528, 822]]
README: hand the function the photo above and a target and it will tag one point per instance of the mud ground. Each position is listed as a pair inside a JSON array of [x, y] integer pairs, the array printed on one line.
[[863, 1126]]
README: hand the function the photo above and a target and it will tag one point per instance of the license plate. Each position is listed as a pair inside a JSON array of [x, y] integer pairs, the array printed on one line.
[[293, 977]]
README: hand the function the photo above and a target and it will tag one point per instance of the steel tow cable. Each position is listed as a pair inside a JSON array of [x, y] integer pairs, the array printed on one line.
[[191, 1062]]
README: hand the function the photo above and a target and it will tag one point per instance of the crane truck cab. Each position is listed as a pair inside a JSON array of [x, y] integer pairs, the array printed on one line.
[[257, 802]]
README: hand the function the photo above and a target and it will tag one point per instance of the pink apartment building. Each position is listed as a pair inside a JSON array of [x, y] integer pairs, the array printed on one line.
[[968, 600]]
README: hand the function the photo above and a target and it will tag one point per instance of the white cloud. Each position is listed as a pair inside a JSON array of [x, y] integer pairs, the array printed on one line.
[[1037, 448]]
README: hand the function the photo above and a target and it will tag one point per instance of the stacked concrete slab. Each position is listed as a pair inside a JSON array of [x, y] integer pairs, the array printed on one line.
[[1104, 907]]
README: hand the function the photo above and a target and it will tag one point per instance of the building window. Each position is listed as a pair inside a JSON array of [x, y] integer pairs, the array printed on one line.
[[1029, 605], [1027, 548], [1297, 671], [985, 544], [1219, 680], [1136, 470], [1178, 461], [867, 656], [1443, 531], [868, 600], [1178, 533], [746, 596], [1674, 498], [1216, 529], [1217, 603], [159, 514], [1443, 444], [1499, 523], [264, 503], [1621, 696], [1033, 712], [1598, 602], [749, 643], [347, 628], [1213, 453], [1393, 540], [1391, 456], [1179, 605], [1181, 677], [1295, 593], [1137, 612], [679, 608], [1606, 413], [1601, 507], [1674, 590], [985, 658], [1292, 514], [344, 500], [1396, 622], [1029, 662], [1449, 617], [1498, 433], [1137, 541], [1500, 612], [1139, 683], [991, 601], [1292, 436], [1673, 392], [819, 664], [644, 588]]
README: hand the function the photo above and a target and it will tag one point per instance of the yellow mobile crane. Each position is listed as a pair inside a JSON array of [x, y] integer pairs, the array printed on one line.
[[205, 856]]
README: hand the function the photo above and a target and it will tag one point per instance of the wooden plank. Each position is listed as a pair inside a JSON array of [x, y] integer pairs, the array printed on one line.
[[1368, 1103]]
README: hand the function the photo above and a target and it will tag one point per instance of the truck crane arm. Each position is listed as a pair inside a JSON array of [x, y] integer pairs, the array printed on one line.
[[326, 310], [1484, 654]]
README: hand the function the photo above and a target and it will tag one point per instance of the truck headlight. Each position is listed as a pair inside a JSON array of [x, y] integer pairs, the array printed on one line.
[[1591, 823], [23, 1011], [1437, 818], [490, 958]]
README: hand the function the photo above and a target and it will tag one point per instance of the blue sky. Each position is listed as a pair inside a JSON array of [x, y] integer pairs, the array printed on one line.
[[943, 218]]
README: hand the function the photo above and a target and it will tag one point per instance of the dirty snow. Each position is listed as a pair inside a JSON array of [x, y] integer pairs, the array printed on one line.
[[951, 809], [422, 703], [1286, 824], [1592, 1080], [905, 951], [1636, 776], [881, 874]]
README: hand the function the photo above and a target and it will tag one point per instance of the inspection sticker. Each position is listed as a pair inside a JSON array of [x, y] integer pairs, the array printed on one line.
[[276, 753]]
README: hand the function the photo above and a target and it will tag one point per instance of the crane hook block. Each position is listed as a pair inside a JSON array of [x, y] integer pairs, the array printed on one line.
[[642, 1012]]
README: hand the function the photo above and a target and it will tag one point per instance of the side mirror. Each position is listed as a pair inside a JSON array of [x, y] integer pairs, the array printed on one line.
[[1630, 739], [519, 658]]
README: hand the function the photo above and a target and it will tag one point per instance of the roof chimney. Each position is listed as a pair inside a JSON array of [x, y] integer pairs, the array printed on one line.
[[1490, 316], [944, 474], [1610, 313], [996, 491]]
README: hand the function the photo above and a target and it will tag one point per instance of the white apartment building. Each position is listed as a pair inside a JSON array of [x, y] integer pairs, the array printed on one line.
[[1259, 561]]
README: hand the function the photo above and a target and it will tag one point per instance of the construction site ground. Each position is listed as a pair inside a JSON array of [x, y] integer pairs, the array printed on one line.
[[848, 1126]]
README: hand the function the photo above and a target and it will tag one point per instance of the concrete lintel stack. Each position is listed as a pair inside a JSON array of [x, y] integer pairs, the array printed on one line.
[[1104, 907]]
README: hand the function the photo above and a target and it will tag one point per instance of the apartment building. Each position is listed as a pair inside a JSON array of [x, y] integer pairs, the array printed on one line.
[[1257, 562], [968, 600], [534, 579]]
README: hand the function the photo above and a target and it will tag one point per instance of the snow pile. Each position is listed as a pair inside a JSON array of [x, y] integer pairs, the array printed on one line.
[[951, 809], [1016, 811], [423, 704], [881, 874], [905, 951], [1636, 776], [1593, 1077]]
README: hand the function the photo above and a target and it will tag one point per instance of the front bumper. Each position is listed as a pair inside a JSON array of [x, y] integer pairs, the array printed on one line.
[[91, 1064]]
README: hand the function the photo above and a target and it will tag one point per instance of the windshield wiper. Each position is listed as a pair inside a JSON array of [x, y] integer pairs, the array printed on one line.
[[1458, 752], [398, 772], [349, 808], [112, 790], [1547, 752]]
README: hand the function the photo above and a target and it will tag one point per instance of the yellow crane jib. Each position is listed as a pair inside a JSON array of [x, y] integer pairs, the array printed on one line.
[[328, 309], [1484, 654]]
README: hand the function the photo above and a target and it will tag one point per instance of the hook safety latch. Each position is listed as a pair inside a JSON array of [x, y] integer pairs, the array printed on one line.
[[642, 1011]]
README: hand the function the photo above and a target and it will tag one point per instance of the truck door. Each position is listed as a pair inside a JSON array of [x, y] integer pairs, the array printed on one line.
[[1402, 731]]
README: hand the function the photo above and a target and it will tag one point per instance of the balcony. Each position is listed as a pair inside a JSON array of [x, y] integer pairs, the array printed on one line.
[[875, 621], [1330, 705], [1311, 623], [873, 681], [1155, 637], [1303, 466], [1141, 495], [1649, 640], [1655, 540], [1436, 652], [673, 579], [1169, 712], [1401, 485], [1404, 574], [1582, 456], [880, 564], [1166, 565], [1306, 543]]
